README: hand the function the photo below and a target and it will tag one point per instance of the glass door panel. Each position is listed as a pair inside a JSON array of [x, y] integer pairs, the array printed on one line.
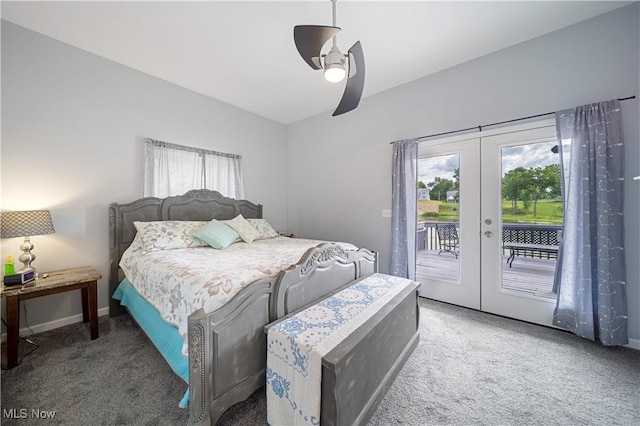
[[448, 205], [438, 226], [531, 217]]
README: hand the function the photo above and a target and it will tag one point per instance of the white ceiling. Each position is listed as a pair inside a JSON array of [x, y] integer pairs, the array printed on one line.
[[242, 53]]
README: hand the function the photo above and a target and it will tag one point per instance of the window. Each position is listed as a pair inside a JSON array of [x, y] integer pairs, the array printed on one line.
[[175, 169]]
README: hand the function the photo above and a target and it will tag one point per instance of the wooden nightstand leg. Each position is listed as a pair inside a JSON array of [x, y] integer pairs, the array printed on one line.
[[85, 304], [13, 332], [93, 309]]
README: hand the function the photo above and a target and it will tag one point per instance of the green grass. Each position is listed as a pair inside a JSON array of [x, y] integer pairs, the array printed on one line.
[[548, 211]]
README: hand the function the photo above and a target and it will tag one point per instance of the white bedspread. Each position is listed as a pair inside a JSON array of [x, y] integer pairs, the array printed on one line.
[[296, 345], [181, 281]]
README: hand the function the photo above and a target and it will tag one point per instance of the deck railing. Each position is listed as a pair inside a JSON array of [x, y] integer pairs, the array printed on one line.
[[427, 237]]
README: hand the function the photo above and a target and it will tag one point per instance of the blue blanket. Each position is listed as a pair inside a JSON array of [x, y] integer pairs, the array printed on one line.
[[163, 335]]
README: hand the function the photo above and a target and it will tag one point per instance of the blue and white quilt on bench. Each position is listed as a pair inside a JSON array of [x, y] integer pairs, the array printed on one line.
[[296, 345]]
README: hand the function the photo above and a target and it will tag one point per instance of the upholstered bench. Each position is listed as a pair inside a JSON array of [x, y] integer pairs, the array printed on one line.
[[333, 361]]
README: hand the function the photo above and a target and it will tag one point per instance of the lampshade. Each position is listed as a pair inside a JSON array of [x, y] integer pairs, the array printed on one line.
[[25, 223]]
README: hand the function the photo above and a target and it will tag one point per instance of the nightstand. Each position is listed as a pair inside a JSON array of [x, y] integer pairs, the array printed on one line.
[[84, 278]]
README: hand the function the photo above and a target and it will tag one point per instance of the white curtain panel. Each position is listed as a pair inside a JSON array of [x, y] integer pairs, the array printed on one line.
[[172, 169], [224, 174]]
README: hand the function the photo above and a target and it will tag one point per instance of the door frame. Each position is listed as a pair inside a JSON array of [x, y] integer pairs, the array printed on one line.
[[475, 225]]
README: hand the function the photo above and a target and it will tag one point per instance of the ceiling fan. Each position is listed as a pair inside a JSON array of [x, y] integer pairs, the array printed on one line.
[[309, 41]]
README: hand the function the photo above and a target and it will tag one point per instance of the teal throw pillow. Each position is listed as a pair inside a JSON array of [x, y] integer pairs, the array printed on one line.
[[216, 234]]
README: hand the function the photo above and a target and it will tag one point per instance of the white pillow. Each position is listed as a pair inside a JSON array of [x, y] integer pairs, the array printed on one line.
[[169, 234], [246, 231], [264, 228]]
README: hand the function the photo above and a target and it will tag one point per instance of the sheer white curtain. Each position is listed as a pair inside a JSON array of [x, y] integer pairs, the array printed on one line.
[[222, 172], [172, 169]]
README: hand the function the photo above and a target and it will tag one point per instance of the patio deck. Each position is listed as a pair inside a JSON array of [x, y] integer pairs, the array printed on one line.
[[531, 276]]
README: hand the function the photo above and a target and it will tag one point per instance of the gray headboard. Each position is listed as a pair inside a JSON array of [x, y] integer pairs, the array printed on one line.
[[198, 204]]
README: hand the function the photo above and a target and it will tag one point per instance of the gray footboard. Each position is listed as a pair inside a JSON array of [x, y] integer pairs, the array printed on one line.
[[227, 353], [320, 272], [227, 348]]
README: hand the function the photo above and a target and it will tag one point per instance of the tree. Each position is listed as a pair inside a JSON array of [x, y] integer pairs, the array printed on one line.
[[530, 185], [439, 187], [542, 183], [513, 185], [421, 185], [553, 170]]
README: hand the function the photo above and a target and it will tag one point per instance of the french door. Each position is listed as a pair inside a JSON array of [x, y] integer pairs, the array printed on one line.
[[496, 191], [449, 275]]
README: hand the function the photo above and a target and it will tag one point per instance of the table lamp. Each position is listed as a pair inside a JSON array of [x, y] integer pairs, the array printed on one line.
[[26, 224]]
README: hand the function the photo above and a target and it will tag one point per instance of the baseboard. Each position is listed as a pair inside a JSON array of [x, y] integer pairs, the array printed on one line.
[[633, 344], [46, 326]]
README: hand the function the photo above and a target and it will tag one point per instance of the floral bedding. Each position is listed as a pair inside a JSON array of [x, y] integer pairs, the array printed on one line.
[[179, 282]]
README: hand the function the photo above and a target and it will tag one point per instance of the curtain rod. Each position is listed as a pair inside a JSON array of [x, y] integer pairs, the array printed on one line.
[[170, 145], [480, 127]]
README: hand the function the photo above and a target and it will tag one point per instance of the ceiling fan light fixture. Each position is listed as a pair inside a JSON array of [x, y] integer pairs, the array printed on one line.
[[335, 69], [309, 40], [334, 73]]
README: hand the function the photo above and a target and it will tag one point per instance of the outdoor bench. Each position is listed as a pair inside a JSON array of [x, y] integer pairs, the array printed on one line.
[[518, 249], [529, 240]]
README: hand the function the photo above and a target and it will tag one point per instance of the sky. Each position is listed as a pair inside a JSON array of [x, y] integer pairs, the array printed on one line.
[[529, 155]]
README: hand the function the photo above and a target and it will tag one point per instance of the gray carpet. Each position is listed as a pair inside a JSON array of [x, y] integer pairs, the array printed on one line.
[[470, 368]]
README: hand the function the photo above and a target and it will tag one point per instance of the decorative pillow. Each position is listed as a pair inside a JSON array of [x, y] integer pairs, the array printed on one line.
[[216, 234], [264, 228], [246, 231], [169, 234]]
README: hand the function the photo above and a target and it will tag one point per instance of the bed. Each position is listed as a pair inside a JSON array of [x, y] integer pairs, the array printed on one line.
[[226, 356]]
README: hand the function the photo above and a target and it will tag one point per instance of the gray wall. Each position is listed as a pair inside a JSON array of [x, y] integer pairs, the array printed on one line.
[[72, 131], [340, 168]]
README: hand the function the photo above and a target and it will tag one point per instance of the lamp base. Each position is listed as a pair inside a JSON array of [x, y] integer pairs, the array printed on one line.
[[27, 257]]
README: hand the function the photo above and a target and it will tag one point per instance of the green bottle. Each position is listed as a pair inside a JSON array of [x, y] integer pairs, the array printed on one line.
[[9, 267]]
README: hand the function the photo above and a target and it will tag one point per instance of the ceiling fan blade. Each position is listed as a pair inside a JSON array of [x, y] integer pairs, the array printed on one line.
[[355, 82], [309, 40]]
